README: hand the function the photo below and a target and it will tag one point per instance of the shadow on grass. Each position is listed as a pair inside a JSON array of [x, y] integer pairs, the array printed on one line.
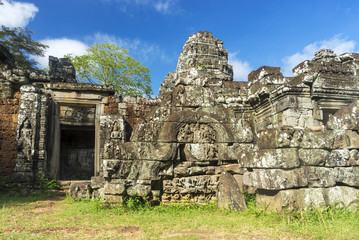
[[15, 198]]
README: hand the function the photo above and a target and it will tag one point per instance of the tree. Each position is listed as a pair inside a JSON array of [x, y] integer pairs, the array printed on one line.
[[19, 43], [110, 64]]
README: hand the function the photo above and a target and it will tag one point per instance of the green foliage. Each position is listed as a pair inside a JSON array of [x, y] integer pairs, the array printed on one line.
[[48, 184], [323, 215], [109, 64], [20, 44]]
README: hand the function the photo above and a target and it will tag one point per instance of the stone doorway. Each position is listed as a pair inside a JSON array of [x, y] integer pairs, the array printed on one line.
[[77, 153]]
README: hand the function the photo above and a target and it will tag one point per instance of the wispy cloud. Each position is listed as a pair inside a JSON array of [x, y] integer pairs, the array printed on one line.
[[59, 48], [337, 43], [17, 14], [139, 49], [145, 52], [161, 6], [241, 69]]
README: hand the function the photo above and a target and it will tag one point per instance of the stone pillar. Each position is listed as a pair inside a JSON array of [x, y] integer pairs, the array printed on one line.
[[30, 135]]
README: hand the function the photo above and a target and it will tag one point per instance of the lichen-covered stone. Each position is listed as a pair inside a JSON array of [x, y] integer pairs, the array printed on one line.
[[347, 176], [297, 199], [313, 157], [320, 177], [275, 179], [347, 140], [317, 139], [270, 158], [229, 194]]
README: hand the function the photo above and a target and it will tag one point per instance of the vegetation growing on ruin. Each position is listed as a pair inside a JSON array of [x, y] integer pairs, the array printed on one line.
[[20, 44], [110, 64], [45, 216]]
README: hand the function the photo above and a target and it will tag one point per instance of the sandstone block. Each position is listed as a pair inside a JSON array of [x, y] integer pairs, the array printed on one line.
[[347, 175], [275, 179], [270, 158], [317, 139], [312, 157], [349, 139], [114, 189], [298, 199], [114, 198], [139, 191], [229, 194], [340, 157], [97, 182], [281, 137], [190, 185], [320, 176]]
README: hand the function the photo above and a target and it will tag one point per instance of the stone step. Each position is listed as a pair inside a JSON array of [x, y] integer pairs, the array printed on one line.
[[66, 184]]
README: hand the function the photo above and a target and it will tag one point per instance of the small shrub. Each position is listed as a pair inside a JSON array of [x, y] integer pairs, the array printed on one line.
[[47, 183]]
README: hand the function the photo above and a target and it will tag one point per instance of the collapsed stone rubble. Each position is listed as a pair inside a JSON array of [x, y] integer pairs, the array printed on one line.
[[292, 141]]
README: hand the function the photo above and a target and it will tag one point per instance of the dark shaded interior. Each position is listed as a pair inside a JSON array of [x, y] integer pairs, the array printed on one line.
[[77, 155], [327, 113]]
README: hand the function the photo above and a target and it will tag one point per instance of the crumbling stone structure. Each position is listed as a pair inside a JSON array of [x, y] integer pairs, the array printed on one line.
[[292, 141]]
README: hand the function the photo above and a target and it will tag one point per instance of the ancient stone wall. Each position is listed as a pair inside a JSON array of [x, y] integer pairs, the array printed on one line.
[[292, 141], [8, 130], [273, 133]]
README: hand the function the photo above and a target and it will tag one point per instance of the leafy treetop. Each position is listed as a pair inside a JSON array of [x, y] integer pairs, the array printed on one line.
[[109, 64], [18, 41]]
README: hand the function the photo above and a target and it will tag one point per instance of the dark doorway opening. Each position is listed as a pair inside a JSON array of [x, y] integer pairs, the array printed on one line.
[[77, 153], [327, 113]]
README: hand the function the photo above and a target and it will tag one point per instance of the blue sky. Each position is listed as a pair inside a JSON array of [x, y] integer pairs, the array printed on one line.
[[279, 33]]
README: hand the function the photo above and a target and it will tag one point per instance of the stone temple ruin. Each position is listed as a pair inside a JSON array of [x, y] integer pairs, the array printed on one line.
[[292, 141]]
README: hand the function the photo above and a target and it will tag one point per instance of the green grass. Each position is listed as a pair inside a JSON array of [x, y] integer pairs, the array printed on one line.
[[39, 217]]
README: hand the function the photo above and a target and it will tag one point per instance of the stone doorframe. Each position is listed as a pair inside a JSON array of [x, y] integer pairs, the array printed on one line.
[[77, 95]]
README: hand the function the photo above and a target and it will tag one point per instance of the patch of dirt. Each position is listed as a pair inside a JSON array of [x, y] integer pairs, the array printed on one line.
[[211, 235], [56, 229], [132, 231], [14, 229]]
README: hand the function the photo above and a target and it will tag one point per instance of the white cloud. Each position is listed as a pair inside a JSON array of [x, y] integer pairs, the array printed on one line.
[[337, 43], [139, 49], [241, 69], [17, 14], [161, 6], [59, 48]]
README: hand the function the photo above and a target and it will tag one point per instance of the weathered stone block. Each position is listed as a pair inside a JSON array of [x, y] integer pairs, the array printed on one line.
[[312, 157], [349, 140], [347, 175], [275, 179], [346, 118], [114, 199], [317, 139], [97, 182], [320, 176], [281, 137], [195, 184], [231, 168], [229, 194], [139, 191], [270, 158], [298, 199], [114, 189], [80, 190], [339, 157], [134, 170]]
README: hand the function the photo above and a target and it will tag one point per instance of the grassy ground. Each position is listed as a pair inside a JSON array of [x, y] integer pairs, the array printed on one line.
[[50, 216]]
